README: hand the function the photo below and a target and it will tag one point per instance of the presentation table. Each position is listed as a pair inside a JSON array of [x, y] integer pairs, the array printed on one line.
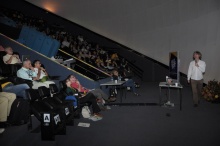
[[113, 83], [179, 87]]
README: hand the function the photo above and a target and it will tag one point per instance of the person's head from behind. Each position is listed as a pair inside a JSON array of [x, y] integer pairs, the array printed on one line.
[[27, 64], [197, 55], [9, 50], [72, 78], [36, 64]]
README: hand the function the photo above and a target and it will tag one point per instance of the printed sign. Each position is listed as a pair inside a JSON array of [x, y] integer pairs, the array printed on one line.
[[47, 118], [67, 111], [56, 119]]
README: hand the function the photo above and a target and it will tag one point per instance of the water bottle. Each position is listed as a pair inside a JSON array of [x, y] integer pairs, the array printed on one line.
[[119, 78], [112, 79], [167, 79]]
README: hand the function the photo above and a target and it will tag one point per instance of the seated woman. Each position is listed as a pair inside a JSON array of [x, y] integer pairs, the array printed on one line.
[[85, 98], [128, 83], [42, 75], [98, 93]]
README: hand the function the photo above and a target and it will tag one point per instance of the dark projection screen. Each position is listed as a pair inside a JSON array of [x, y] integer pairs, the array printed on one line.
[[174, 65], [151, 27]]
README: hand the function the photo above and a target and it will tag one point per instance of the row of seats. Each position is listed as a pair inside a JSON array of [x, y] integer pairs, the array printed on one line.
[[9, 71], [54, 112]]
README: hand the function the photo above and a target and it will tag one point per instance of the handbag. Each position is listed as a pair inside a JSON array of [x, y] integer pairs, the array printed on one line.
[[86, 112]]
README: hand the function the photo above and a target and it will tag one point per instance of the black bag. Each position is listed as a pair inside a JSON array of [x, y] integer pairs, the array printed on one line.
[[112, 92], [19, 113]]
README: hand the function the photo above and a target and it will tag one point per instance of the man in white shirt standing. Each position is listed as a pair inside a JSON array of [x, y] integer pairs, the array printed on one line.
[[195, 73], [11, 58]]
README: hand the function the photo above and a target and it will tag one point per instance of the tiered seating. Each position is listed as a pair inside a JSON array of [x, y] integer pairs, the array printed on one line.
[[46, 39]]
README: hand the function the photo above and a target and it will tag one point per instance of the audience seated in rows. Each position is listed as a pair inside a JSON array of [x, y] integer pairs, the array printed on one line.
[[27, 72], [76, 45]]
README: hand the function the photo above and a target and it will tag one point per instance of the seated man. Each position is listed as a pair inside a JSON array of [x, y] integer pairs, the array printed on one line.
[[128, 83], [27, 72], [6, 100], [42, 73], [19, 89], [11, 58]]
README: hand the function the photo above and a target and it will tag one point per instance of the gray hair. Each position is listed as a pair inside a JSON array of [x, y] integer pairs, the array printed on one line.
[[26, 61]]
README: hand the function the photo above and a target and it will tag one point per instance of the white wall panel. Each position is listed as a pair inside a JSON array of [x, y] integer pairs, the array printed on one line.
[[151, 27]]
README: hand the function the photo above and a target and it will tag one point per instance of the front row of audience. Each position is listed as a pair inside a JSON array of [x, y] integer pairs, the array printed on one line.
[[39, 77], [36, 74]]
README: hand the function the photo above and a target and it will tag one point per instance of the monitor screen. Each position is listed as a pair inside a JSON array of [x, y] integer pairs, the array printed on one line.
[[174, 65]]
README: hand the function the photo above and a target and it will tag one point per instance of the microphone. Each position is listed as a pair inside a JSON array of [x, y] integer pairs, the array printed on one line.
[[196, 63]]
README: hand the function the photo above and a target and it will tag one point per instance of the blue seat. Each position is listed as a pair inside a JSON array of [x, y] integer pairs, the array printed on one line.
[[46, 46], [32, 35], [54, 48], [24, 33], [39, 42]]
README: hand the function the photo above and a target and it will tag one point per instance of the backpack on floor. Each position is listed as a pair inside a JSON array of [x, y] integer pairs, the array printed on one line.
[[112, 92], [19, 113], [86, 112]]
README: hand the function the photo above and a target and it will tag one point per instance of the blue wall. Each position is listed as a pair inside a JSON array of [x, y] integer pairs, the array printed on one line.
[[38, 41], [53, 68]]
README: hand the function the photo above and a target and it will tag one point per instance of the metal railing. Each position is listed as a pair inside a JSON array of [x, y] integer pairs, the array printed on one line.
[[84, 67]]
